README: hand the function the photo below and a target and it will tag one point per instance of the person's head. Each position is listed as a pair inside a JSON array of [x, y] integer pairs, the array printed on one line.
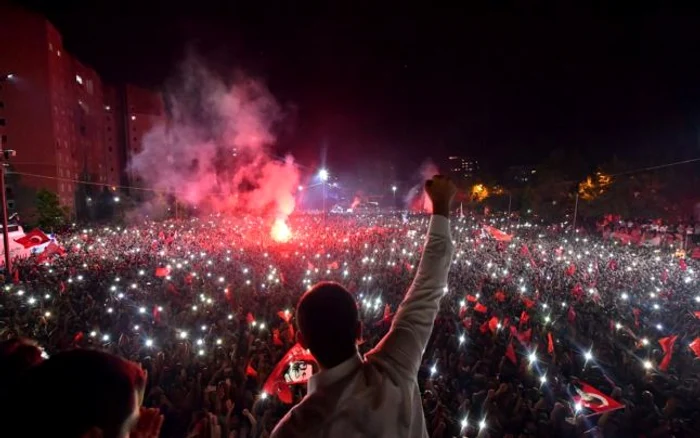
[[17, 356], [328, 323], [80, 393]]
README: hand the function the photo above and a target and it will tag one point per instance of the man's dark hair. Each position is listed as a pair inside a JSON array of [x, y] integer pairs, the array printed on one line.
[[74, 391], [328, 319], [17, 356]]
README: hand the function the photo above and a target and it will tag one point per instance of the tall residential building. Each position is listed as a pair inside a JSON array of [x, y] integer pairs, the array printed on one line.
[[463, 168], [144, 109], [57, 115]]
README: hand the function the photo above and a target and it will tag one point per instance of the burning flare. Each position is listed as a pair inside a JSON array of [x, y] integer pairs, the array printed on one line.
[[280, 231]]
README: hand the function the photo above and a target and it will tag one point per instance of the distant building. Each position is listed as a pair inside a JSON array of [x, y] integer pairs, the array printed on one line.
[[520, 175], [73, 134], [463, 168]]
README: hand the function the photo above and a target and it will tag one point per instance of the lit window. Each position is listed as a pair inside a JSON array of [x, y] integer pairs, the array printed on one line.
[[78, 79], [107, 107], [58, 52], [133, 117]]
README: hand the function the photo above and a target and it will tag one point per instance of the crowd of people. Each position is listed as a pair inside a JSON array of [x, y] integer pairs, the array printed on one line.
[[529, 318]]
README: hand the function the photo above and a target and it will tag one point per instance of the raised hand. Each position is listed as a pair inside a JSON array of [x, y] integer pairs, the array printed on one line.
[[441, 190]]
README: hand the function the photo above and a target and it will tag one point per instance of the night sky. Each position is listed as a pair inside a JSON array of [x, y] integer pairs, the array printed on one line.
[[507, 84]]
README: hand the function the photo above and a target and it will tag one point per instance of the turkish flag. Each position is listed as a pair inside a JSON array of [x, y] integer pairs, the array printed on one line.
[[480, 308], [286, 315], [528, 302], [250, 371], [667, 347], [467, 323], [550, 343], [33, 238], [524, 317], [295, 368], [249, 318], [697, 314], [524, 250], [682, 264], [493, 324], [500, 296], [593, 401], [162, 271], [695, 346], [471, 298], [571, 270], [510, 352]]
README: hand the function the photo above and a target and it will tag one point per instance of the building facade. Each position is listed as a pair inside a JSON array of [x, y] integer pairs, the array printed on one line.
[[463, 168], [72, 134]]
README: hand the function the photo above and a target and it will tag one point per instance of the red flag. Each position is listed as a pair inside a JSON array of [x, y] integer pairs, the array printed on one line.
[[528, 302], [550, 343], [667, 347], [484, 328], [249, 318], [480, 308], [333, 265], [571, 315], [695, 346], [612, 265], [62, 287], [471, 298], [286, 315], [162, 271], [51, 249], [156, 314], [295, 368], [524, 317], [290, 333], [276, 338], [493, 324], [462, 311], [590, 399], [250, 371], [522, 337], [571, 270], [500, 296], [497, 234], [682, 264], [510, 352], [310, 266], [33, 238], [697, 314], [467, 323], [78, 337]]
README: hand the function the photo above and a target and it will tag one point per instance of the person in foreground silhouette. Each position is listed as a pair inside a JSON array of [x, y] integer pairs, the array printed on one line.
[[378, 395]]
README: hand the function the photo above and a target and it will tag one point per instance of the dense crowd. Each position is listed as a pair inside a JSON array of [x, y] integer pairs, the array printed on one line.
[[206, 306]]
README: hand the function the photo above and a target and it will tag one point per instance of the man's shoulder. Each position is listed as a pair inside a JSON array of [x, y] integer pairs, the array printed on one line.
[[308, 416]]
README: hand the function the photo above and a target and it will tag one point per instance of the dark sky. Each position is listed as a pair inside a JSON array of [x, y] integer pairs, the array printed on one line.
[[382, 80]]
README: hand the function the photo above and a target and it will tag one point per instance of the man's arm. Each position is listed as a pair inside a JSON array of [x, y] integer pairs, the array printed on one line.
[[410, 331]]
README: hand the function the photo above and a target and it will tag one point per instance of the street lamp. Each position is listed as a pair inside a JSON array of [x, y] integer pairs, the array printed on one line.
[[393, 189], [323, 176]]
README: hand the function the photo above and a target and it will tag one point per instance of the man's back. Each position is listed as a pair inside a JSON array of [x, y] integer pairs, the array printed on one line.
[[379, 396]]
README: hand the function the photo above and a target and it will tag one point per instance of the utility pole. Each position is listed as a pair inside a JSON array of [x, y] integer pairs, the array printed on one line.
[[6, 154], [575, 211]]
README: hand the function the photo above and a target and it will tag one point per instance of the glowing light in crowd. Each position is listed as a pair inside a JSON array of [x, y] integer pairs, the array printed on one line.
[[149, 342], [263, 395], [647, 365], [588, 355], [543, 379], [532, 357], [464, 423], [433, 370], [482, 424], [645, 341], [280, 231]]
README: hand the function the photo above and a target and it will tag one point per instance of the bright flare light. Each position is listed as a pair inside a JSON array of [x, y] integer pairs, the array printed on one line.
[[280, 231]]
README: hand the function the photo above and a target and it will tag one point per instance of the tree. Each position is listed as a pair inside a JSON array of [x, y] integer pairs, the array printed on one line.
[[50, 213]]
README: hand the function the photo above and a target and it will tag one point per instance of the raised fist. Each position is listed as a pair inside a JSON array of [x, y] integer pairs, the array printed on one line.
[[441, 190]]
